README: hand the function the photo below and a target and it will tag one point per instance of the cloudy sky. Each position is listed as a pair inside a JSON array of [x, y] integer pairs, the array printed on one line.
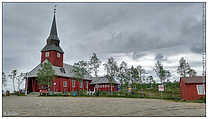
[[138, 33]]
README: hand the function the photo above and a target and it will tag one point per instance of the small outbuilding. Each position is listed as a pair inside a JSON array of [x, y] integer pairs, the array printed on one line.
[[192, 88], [103, 84]]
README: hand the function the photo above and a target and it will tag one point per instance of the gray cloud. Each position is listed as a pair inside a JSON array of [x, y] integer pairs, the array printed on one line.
[[161, 57]]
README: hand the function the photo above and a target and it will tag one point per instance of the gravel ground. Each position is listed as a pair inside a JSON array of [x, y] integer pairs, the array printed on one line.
[[97, 106]]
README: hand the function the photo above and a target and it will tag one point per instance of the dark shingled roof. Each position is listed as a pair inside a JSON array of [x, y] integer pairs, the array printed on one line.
[[53, 34], [67, 71], [52, 47], [196, 79]]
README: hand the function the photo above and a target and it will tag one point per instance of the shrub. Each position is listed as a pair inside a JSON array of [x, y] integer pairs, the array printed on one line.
[[203, 99], [82, 93], [21, 94]]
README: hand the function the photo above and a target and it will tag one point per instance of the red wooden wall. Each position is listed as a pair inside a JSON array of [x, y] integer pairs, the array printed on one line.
[[59, 85], [189, 91], [53, 58]]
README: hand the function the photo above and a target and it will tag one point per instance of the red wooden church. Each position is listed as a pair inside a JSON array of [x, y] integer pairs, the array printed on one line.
[[64, 77], [192, 88]]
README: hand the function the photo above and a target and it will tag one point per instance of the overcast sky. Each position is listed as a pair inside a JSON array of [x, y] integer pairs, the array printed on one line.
[[138, 33]]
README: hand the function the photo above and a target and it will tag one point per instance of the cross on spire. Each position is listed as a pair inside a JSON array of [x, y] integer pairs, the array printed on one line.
[[54, 9]]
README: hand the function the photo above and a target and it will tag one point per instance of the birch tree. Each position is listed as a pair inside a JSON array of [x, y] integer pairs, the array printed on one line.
[[183, 67], [123, 69], [13, 76], [141, 71], [94, 64], [4, 81], [161, 72], [20, 78], [80, 69], [112, 70]]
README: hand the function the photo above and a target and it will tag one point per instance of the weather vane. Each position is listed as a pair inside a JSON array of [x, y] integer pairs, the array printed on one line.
[[54, 9]]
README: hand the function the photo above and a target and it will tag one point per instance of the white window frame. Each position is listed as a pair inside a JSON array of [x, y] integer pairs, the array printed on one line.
[[81, 84], [87, 84], [65, 83], [47, 54], [200, 89], [73, 83], [58, 55]]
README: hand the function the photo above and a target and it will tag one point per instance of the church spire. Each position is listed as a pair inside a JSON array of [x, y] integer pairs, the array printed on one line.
[[53, 33], [53, 40]]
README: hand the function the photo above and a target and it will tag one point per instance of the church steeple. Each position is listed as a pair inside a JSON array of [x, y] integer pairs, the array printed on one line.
[[52, 51]]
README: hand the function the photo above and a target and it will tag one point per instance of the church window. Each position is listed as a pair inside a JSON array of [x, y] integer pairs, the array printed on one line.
[[58, 55], [87, 84], [47, 54], [65, 84], [200, 89], [81, 84], [73, 83]]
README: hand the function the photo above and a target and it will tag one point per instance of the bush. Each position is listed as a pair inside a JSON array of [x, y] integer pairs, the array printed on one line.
[[66, 93], [203, 99], [82, 93], [21, 94], [104, 93]]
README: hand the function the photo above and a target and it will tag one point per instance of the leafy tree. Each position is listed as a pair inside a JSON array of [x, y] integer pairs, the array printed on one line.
[[191, 73], [94, 64], [13, 76], [167, 75], [150, 80], [134, 76], [46, 74], [141, 71], [183, 67], [20, 78], [161, 72], [129, 77], [122, 75], [112, 70], [81, 69]]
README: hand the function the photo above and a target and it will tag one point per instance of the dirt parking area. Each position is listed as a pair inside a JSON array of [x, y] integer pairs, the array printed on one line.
[[97, 106]]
